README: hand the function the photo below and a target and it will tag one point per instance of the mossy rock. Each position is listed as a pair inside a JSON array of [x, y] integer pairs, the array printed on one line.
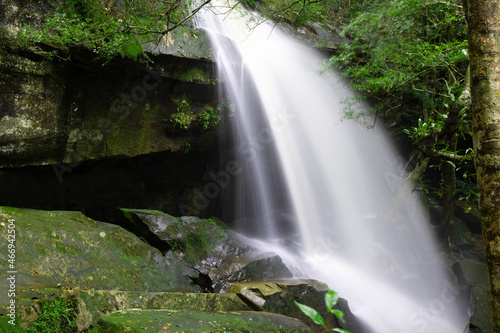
[[48, 117], [196, 238], [67, 249], [183, 43], [205, 244], [106, 302], [91, 305], [136, 320]]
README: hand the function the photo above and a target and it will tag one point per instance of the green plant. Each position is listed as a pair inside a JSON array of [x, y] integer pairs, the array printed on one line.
[[184, 116], [56, 315], [208, 118], [331, 299], [107, 28], [409, 59], [406, 54]]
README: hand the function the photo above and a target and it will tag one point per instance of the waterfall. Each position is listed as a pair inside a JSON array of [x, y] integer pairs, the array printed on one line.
[[326, 193]]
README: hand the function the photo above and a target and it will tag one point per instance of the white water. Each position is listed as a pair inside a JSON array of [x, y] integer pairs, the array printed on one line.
[[332, 188]]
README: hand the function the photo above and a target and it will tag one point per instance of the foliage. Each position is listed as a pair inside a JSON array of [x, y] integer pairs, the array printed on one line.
[[184, 116], [409, 58], [108, 28], [187, 148], [331, 299], [56, 315], [208, 118], [406, 50]]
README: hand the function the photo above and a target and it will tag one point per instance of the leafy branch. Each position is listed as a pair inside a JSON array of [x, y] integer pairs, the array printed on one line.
[[331, 299]]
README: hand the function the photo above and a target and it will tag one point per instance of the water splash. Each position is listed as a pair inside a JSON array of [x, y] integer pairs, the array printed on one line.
[[327, 194]]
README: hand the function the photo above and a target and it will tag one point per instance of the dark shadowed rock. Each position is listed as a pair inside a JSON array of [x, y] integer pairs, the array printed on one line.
[[54, 111], [206, 245], [278, 296]]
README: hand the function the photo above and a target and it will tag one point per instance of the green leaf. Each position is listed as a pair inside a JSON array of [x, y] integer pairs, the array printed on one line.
[[339, 330], [331, 298], [311, 313], [452, 164], [462, 112], [339, 314]]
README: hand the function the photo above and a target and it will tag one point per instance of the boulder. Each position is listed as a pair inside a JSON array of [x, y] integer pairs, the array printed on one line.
[[93, 307], [472, 275], [206, 245], [278, 296], [136, 320], [322, 36], [68, 250]]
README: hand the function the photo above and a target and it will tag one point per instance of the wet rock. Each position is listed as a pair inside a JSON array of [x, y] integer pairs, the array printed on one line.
[[206, 245], [473, 277], [69, 250], [249, 266], [321, 36], [278, 296], [183, 43]]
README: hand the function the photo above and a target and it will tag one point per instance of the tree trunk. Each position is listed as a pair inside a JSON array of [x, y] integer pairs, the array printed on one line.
[[484, 48]]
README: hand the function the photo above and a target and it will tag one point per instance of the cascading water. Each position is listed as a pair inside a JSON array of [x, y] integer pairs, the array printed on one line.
[[327, 194]]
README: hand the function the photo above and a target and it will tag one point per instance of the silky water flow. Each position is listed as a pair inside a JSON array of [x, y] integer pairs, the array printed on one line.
[[327, 194]]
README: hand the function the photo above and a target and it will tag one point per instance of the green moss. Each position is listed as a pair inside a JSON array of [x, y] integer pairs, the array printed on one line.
[[107, 327], [75, 246], [6, 327], [69, 249], [55, 316], [196, 321], [132, 49], [40, 249], [195, 74]]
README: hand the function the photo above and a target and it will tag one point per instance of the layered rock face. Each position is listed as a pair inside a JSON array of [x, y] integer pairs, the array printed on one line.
[[58, 111], [74, 133]]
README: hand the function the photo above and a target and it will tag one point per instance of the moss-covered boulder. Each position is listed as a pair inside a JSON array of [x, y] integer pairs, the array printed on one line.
[[69, 250], [207, 245]]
